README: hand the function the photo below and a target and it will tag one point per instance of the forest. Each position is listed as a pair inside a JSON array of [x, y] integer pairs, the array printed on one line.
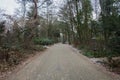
[[92, 26]]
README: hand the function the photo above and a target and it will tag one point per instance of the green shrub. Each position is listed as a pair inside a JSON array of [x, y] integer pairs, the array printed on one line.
[[95, 54], [114, 45], [43, 41], [88, 54]]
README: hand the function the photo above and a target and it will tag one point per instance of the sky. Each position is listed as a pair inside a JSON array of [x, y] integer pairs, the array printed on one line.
[[10, 5]]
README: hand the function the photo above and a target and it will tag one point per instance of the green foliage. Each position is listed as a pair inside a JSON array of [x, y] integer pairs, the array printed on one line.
[[114, 43], [97, 53], [94, 54], [43, 41], [88, 54]]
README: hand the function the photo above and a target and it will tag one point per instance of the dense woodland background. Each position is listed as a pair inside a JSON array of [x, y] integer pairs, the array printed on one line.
[[92, 28]]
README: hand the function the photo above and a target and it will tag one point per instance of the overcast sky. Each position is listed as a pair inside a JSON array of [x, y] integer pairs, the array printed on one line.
[[10, 5]]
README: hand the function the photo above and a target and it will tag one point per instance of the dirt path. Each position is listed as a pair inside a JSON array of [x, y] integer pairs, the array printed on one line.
[[60, 62]]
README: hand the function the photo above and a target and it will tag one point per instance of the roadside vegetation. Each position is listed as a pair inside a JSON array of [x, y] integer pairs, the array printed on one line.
[[43, 41], [25, 33], [94, 28]]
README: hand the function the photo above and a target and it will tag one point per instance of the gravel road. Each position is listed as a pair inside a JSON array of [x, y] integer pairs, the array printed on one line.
[[60, 62]]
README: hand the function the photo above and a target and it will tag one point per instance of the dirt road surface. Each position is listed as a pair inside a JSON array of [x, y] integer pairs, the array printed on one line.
[[60, 62]]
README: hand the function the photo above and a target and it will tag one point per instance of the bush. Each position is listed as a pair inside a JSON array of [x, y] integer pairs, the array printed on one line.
[[38, 48], [114, 45], [88, 54], [43, 41], [96, 54]]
